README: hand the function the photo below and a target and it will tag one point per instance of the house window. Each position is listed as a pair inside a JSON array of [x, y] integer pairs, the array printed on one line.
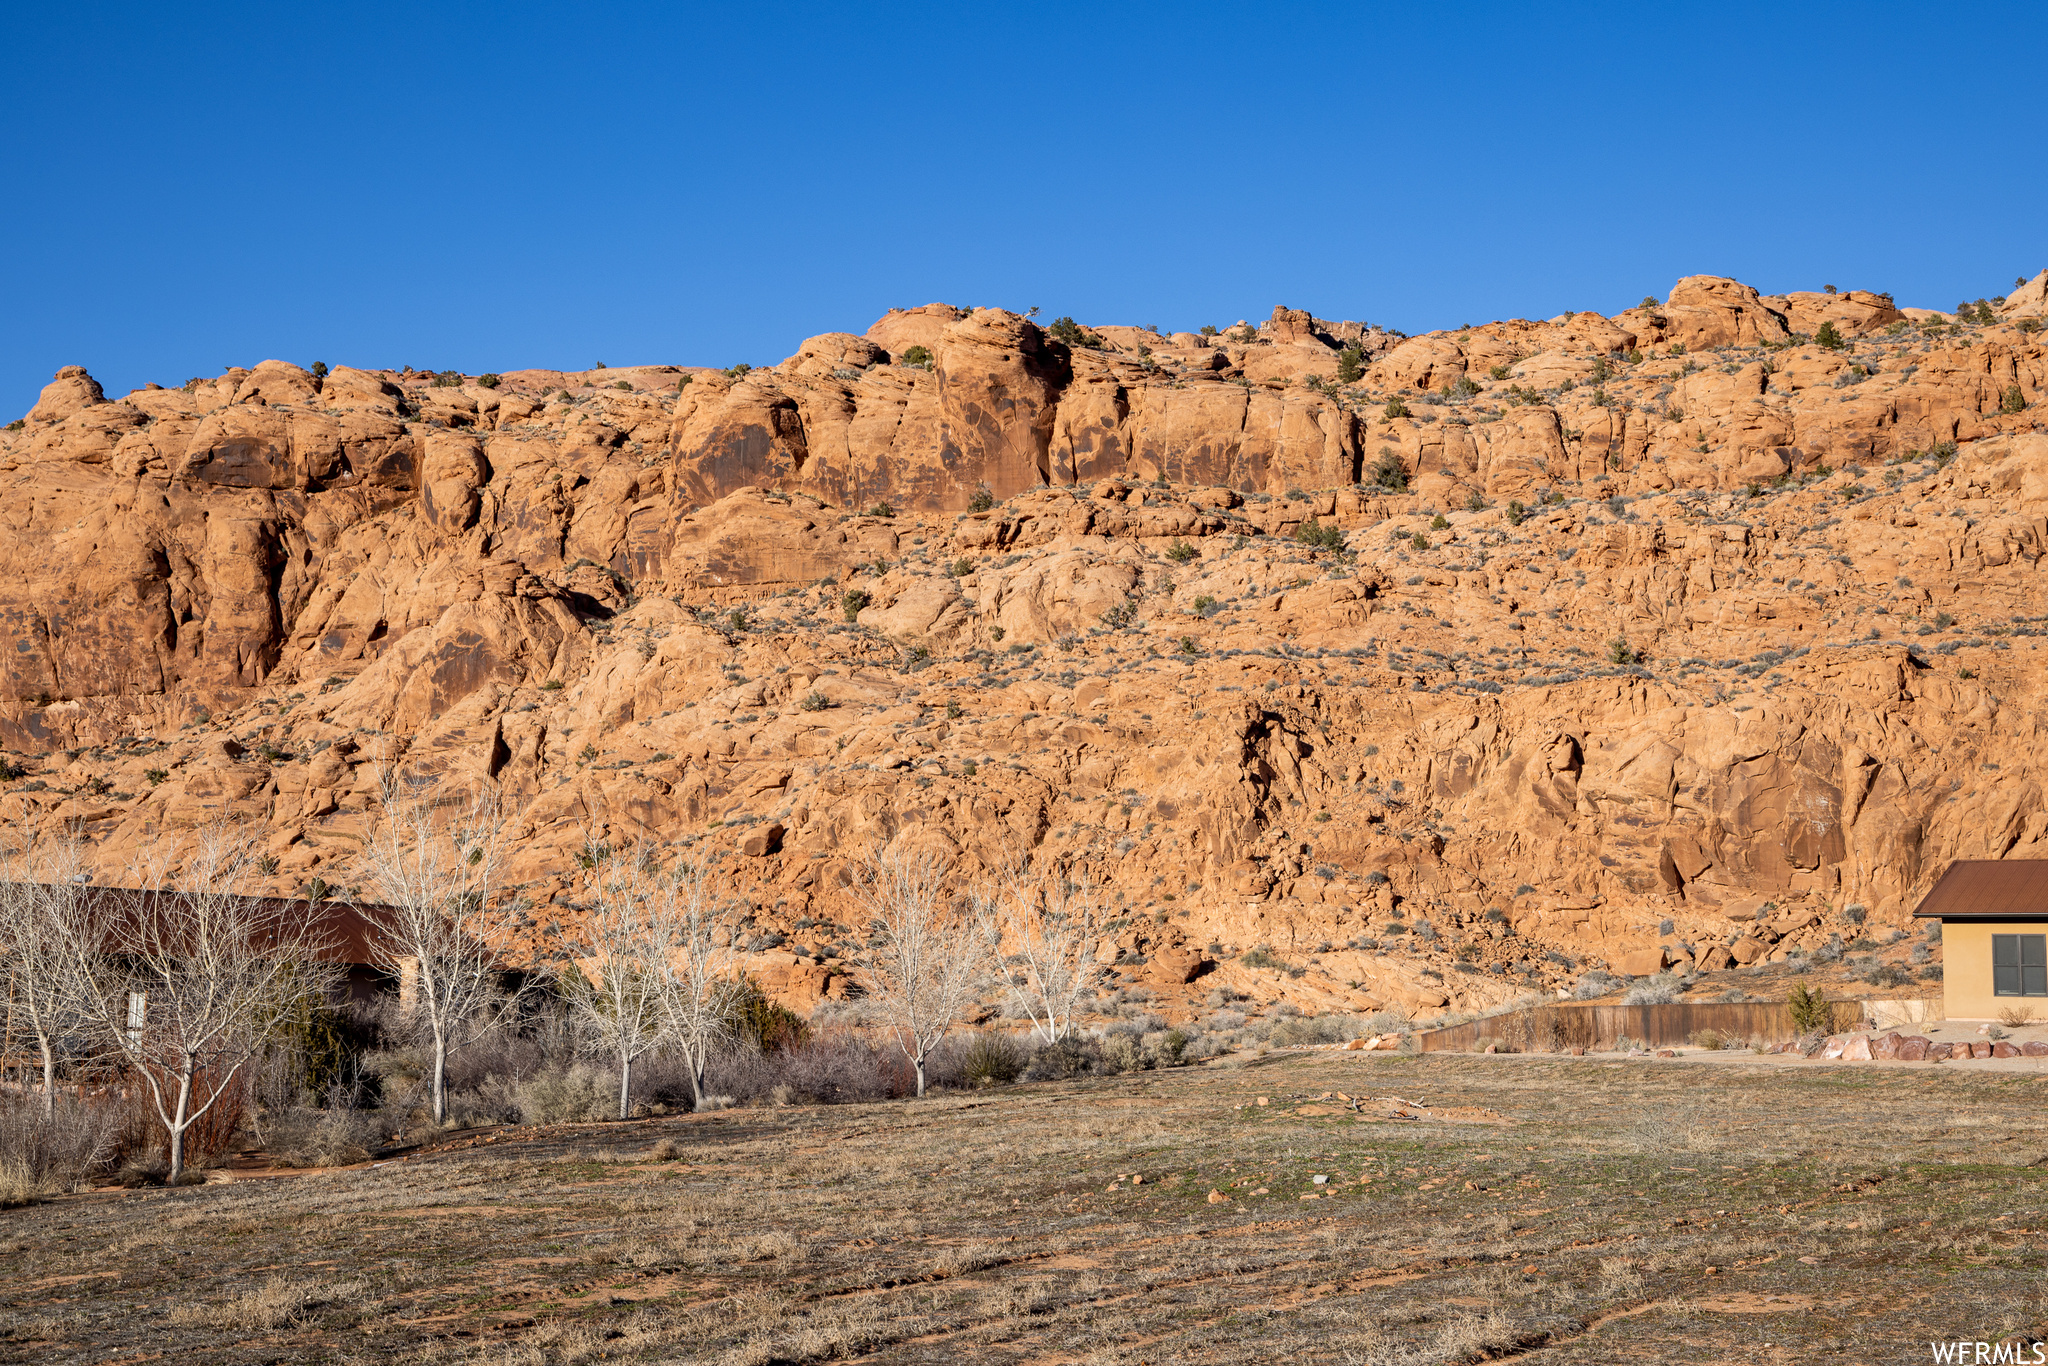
[[2019, 964]]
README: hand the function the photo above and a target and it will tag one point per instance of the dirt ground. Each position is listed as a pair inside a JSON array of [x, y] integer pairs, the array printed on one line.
[[1527, 1208]]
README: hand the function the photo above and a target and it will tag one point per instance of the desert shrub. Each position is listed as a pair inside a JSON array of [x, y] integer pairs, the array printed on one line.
[[764, 1023], [852, 601], [1708, 1038], [1439, 523], [918, 355], [1621, 652], [1350, 364], [2016, 1017], [814, 701], [842, 1067], [334, 1137], [1810, 1010], [488, 381], [1387, 472], [2013, 400], [1263, 957], [992, 1059], [1395, 408], [1180, 552], [1121, 1052], [1068, 1057], [1171, 1047], [983, 499], [1073, 334], [1660, 990], [49, 1155], [1322, 1029], [1887, 975], [578, 1093], [1317, 536], [447, 379]]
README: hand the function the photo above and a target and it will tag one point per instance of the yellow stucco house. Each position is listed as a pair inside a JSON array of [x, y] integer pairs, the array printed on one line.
[[1994, 936]]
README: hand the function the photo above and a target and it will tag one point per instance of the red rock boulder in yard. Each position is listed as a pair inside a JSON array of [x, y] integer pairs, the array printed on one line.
[[1940, 1052], [2034, 1048], [1856, 1050], [1980, 1049], [2002, 1049], [1885, 1047], [1913, 1048]]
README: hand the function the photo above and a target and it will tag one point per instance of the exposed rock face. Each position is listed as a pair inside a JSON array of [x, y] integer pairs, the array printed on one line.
[[1755, 634]]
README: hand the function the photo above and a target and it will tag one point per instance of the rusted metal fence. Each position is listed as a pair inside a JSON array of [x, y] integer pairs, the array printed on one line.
[[1564, 1025]]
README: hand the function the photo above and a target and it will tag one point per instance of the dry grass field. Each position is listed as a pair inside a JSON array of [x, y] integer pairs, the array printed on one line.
[[1475, 1209]]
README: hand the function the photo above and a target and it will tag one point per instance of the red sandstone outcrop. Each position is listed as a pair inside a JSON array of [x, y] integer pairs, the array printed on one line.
[[1755, 634]]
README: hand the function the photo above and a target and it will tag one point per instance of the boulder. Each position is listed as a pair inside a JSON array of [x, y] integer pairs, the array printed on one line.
[[1174, 967], [1913, 1048], [1716, 959], [2034, 1048], [1747, 950], [2004, 1049], [1857, 1049], [72, 391], [1885, 1047], [1642, 962], [763, 841], [1940, 1052]]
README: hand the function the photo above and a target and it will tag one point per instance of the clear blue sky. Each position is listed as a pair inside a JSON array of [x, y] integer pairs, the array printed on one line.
[[492, 187]]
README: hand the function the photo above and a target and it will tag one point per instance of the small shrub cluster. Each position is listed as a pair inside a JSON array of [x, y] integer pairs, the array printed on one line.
[[1660, 990]]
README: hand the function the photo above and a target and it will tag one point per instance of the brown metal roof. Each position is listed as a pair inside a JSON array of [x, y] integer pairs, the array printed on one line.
[[347, 929], [1989, 889]]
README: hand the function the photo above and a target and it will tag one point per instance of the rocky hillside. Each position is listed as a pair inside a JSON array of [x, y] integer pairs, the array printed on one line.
[[1356, 669]]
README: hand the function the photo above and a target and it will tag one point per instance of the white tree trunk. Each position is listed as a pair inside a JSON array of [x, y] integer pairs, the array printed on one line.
[[440, 1076], [179, 1122], [698, 1058], [625, 1084]]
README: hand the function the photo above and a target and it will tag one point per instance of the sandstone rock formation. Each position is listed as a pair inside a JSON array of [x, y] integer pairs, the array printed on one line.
[[1660, 640]]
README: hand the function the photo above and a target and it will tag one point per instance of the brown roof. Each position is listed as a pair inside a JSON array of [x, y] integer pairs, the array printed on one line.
[[1989, 889], [347, 929]]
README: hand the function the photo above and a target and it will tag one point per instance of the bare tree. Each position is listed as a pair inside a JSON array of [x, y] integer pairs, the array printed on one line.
[[927, 962], [623, 988], [436, 868], [1042, 929], [45, 944], [191, 977], [702, 972]]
